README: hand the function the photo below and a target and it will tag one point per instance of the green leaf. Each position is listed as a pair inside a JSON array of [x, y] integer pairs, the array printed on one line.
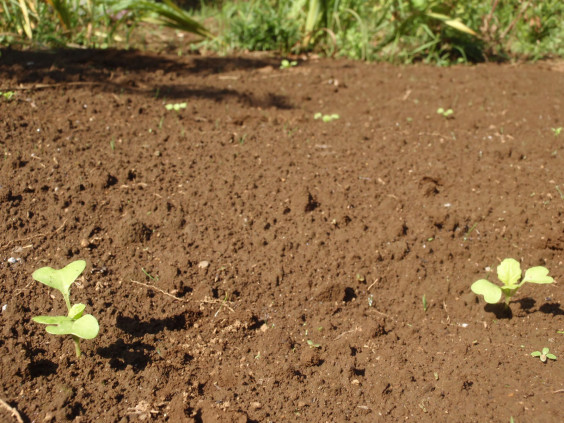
[[536, 353], [491, 292], [551, 356], [545, 351], [86, 327], [509, 272], [76, 311], [538, 274], [51, 320], [60, 279]]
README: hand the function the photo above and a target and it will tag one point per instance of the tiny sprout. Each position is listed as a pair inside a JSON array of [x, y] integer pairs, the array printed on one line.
[[8, 95], [544, 355], [509, 272], [287, 64], [312, 344], [425, 305], [326, 118], [556, 131], [75, 323], [176, 106], [445, 113]]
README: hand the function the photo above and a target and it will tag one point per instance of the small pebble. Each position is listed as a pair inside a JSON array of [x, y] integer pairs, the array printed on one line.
[[256, 405], [13, 260], [203, 264]]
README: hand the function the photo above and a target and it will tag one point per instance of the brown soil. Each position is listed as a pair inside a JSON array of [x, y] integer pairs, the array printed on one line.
[[321, 239]]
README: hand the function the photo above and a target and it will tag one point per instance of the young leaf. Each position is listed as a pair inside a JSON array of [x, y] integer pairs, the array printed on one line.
[[60, 279], [76, 311], [509, 271], [492, 293], [51, 320], [538, 274], [86, 327]]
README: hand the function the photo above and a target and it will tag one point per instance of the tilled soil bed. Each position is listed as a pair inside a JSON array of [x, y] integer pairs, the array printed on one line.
[[248, 262]]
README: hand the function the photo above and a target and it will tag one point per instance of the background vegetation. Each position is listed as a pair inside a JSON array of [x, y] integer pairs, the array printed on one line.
[[401, 31]]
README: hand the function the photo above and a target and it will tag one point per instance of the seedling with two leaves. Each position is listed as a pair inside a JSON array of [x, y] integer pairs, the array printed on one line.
[[544, 355], [75, 323], [509, 273]]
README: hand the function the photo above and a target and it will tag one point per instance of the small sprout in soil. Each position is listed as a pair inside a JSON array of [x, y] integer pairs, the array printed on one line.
[[176, 106], [556, 131], [287, 64], [436, 375], [509, 272], [544, 355], [75, 323], [370, 300], [425, 305], [445, 113], [360, 277], [312, 344], [559, 192], [326, 118], [8, 95]]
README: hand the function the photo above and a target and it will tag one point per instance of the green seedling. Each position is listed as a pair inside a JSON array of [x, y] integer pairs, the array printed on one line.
[[556, 131], [509, 273], [287, 64], [8, 95], [445, 113], [176, 106], [425, 305], [76, 324], [313, 344], [544, 355], [326, 118]]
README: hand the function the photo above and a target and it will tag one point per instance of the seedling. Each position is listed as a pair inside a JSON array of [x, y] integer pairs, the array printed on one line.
[[425, 305], [76, 324], [313, 344], [287, 64], [509, 272], [176, 106], [544, 355], [556, 131], [326, 118], [445, 113], [8, 95]]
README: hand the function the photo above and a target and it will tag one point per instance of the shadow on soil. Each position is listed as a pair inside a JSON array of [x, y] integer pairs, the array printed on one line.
[[526, 304], [75, 68], [122, 354], [135, 327]]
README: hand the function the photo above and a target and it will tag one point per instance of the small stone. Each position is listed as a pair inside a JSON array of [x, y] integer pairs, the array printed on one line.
[[256, 405], [203, 264], [84, 243]]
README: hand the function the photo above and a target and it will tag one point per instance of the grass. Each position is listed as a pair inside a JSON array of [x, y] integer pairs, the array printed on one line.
[[442, 32]]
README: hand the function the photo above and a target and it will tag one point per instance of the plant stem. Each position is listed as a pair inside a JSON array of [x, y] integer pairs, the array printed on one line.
[[76, 345]]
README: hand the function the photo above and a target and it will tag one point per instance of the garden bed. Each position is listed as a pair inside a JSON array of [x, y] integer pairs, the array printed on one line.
[[248, 262]]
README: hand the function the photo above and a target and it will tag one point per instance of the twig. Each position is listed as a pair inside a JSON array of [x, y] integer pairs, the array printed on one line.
[[33, 236], [372, 284], [11, 410], [161, 291], [560, 391]]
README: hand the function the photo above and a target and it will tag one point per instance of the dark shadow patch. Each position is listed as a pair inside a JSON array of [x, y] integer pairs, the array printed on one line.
[[349, 295], [123, 354], [552, 308], [135, 327], [526, 304], [42, 367], [500, 310], [73, 69]]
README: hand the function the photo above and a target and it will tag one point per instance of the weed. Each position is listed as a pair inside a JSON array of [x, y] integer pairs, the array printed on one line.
[[445, 113], [176, 106], [425, 305], [287, 64], [312, 344], [556, 131], [544, 355], [509, 273], [76, 324], [326, 118], [7, 95]]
